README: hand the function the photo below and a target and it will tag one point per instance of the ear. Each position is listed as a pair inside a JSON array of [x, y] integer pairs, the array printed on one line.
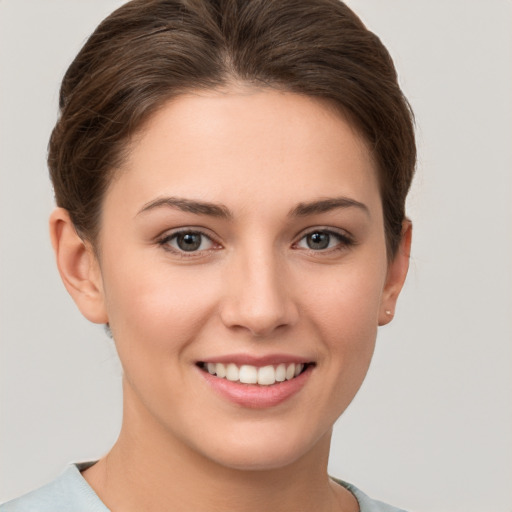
[[397, 272], [78, 267]]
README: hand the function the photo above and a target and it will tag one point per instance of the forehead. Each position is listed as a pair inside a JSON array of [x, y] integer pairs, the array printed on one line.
[[235, 144]]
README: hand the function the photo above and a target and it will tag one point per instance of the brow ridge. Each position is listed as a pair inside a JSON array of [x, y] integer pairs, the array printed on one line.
[[219, 210], [326, 205], [189, 205]]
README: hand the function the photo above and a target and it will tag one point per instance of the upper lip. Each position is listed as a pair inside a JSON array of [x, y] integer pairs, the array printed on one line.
[[258, 361]]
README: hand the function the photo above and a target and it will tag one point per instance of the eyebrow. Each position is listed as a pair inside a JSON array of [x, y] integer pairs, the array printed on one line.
[[189, 205], [327, 205], [222, 211]]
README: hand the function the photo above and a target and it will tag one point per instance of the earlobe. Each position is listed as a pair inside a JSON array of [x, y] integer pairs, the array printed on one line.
[[78, 267], [397, 272]]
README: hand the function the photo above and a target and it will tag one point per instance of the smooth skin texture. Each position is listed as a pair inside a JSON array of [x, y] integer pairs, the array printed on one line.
[[288, 256]]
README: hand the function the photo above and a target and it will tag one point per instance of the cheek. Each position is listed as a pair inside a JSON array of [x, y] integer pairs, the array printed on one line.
[[158, 310], [345, 303], [343, 310]]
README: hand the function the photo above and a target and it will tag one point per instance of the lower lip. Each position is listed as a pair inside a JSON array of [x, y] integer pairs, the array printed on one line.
[[254, 396]]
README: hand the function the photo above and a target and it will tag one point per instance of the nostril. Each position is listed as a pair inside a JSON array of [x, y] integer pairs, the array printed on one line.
[[259, 323], [258, 301]]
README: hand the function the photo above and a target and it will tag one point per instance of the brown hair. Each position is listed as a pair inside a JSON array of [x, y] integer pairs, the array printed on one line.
[[149, 51]]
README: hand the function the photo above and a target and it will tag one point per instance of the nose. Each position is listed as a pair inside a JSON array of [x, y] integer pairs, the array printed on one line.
[[259, 295]]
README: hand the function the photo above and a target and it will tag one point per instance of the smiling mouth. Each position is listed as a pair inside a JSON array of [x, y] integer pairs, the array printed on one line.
[[247, 374]]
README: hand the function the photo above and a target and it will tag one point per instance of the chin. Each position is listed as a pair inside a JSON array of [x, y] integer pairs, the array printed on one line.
[[266, 452], [256, 460]]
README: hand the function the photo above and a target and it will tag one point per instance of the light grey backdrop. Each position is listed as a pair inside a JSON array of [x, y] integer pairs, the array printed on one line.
[[431, 430]]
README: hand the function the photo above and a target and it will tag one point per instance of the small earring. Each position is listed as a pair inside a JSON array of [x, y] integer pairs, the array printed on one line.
[[388, 312]]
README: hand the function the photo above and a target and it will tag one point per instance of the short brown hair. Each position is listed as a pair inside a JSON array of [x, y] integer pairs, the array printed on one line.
[[149, 51]]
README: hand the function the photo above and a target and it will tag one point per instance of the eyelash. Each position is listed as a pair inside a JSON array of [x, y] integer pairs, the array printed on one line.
[[345, 241], [164, 242]]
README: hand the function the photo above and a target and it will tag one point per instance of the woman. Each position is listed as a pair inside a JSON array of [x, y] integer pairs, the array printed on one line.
[[230, 179]]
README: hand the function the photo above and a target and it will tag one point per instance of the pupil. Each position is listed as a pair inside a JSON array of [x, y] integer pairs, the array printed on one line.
[[189, 241], [318, 240]]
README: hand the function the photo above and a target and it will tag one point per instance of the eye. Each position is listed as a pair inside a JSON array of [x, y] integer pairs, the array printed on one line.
[[187, 241], [322, 239]]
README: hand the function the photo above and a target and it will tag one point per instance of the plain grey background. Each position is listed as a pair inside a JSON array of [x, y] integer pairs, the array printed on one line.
[[431, 429]]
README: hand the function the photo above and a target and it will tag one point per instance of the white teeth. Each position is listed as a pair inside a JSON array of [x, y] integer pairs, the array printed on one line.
[[266, 376], [281, 373], [248, 374], [221, 370], [232, 372]]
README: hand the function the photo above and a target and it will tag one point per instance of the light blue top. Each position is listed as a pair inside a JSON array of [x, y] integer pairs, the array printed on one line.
[[70, 492]]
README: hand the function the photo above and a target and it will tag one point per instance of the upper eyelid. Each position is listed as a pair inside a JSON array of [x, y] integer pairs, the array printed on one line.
[[164, 240], [170, 233], [343, 233]]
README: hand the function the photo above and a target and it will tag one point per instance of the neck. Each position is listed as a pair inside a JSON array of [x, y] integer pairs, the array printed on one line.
[[149, 470]]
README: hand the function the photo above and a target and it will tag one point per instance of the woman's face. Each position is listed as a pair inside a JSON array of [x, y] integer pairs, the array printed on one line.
[[244, 234]]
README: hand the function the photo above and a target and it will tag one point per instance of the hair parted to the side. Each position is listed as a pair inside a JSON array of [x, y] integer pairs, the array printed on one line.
[[149, 51]]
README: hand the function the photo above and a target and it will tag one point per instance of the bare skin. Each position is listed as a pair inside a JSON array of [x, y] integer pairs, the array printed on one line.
[[281, 196], [190, 484]]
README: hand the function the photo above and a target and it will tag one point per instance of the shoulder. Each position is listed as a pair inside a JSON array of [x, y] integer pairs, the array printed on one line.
[[366, 504], [68, 492]]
